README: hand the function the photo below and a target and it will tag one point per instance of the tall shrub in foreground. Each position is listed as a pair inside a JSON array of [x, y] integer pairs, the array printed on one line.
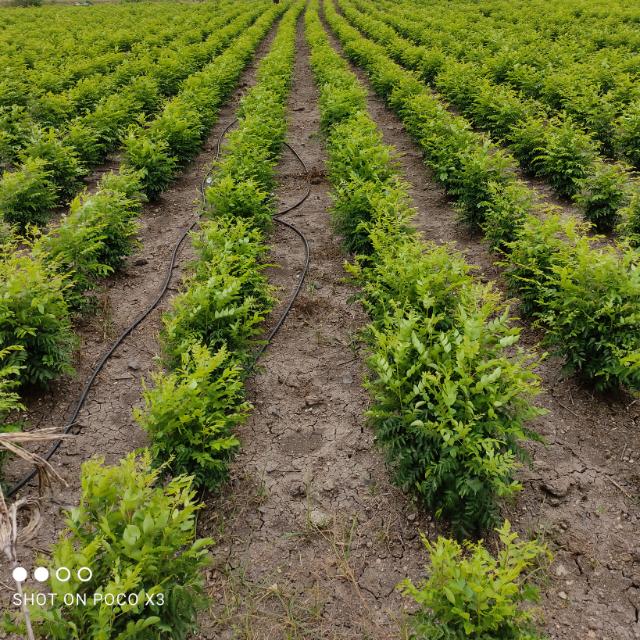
[[137, 537], [471, 594]]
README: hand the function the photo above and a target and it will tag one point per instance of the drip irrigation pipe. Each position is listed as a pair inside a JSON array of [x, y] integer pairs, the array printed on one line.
[[163, 289]]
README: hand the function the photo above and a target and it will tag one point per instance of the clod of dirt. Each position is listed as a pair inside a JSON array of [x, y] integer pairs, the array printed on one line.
[[558, 488], [320, 519]]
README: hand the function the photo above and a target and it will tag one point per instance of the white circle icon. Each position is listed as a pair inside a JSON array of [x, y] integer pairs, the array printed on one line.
[[19, 574], [41, 574], [63, 571], [85, 574]]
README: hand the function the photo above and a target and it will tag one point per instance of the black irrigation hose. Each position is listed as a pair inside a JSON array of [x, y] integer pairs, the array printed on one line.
[[307, 258], [103, 360], [165, 286]]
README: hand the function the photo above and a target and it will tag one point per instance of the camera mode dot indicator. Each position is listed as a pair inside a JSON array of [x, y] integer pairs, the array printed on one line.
[[41, 574], [19, 574]]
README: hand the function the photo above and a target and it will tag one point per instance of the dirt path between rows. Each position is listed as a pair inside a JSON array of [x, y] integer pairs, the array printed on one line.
[[107, 426], [312, 538], [581, 492]]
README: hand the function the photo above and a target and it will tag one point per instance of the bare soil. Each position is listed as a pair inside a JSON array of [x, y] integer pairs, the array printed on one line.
[[581, 493]]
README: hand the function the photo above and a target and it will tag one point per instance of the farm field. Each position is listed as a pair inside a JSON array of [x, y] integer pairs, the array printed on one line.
[[320, 319]]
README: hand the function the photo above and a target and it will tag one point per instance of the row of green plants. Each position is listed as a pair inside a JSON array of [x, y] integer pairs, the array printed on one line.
[[34, 107], [450, 402], [44, 281], [586, 296], [44, 284], [134, 527], [52, 165], [571, 67], [549, 147]]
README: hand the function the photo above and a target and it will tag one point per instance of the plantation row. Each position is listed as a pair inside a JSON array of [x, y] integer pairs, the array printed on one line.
[[553, 148], [450, 405], [586, 296], [579, 61], [452, 392], [53, 161], [127, 526]]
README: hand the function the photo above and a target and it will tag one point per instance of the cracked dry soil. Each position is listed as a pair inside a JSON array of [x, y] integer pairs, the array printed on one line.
[[311, 537]]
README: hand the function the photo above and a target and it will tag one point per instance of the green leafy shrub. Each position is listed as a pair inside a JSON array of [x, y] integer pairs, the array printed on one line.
[[450, 407], [405, 273], [86, 142], [34, 315], [480, 172], [52, 109], [190, 415], [627, 133], [7, 235], [246, 199], [137, 537], [27, 194], [153, 159], [180, 128], [593, 317], [337, 105], [15, 127], [565, 158], [601, 194], [72, 249], [586, 297], [629, 225], [95, 237], [227, 298], [471, 594], [117, 204], [363, 168], [9, 398], [533, 255], [506, 212], [60, 159], [525, 141]]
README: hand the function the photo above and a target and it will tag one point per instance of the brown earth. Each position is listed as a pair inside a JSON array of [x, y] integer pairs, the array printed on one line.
[[311, 537]]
